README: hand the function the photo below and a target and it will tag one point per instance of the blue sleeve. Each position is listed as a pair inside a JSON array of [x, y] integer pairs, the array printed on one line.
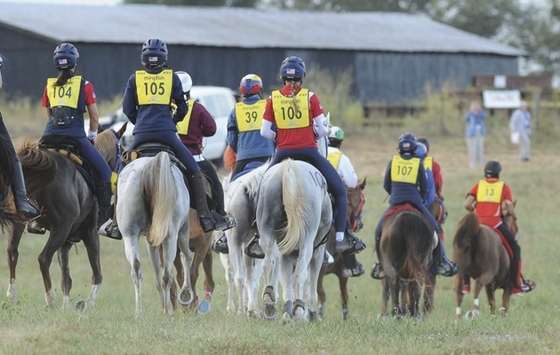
[[422, 181], [387, 180], [179, 99], [129, 102], [233, 131]]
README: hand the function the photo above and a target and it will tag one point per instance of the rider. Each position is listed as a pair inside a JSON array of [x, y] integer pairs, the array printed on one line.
[[146, 103], [23, 206], [199, 123], [341, 162], [490, 199], [410, 187], [244, 138], [294, 110], [66, 98]]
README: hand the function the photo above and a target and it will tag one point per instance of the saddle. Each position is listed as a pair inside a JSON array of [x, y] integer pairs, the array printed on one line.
[[247, 169]]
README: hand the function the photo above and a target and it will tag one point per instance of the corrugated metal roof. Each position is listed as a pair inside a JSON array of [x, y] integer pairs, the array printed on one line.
[[246, 28]]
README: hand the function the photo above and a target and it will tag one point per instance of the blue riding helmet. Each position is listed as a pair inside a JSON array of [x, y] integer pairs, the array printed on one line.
[[407, 143], [65, 56], [292, 68], [154, 53], [425, 141], [421, 150]]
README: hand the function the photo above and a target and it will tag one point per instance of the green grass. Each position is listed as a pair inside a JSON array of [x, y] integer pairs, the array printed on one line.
[[531, 327]]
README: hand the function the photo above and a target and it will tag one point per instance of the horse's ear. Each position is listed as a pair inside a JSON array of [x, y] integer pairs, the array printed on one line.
[[363, 183], [515, 203], [122, 129], [100, 128]]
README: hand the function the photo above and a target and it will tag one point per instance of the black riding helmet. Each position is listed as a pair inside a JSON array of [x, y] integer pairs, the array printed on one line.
[[492, 169]]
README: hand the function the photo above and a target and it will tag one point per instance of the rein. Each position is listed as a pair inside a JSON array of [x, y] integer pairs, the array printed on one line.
[[357, 214]]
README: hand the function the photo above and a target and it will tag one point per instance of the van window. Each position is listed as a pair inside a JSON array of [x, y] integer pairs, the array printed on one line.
[[210, 104], [224, 105]]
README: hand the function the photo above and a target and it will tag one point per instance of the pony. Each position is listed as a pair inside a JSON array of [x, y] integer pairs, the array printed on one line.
[[294, 215], [242, 272], [480, 253], [68, 212], [406, 245], [356, 202], [153, 201]]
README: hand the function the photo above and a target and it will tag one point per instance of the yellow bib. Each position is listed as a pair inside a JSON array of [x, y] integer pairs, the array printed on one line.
[[489, 191], [428, 163], [249, 117], [66, 95], [183, 126], [154, 89], [285, 113], [403, 170], [334, 158]]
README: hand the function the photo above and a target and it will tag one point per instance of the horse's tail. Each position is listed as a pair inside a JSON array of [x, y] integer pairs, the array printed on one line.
[[159, 185], [296, 206], [467, 230], [418, 236]]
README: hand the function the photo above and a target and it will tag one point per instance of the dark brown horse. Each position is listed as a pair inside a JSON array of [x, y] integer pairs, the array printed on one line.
[[406, 245], [480, 254], [68, 212], [356, 202]]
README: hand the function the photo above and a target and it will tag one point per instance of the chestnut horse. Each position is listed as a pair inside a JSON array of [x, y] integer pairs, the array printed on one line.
[[406, 245], [356, 202], [479, 253]]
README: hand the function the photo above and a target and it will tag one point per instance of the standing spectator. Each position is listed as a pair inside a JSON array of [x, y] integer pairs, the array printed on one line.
[[475, 132], [520, 126]]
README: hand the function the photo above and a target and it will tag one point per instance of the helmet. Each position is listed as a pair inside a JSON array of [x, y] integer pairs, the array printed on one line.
[[154, 53], [421, 150], [336, 133], [65, 56], [292, 68], [492, 169], [425, 141], [407, 143], [186, 80], [250, 84]]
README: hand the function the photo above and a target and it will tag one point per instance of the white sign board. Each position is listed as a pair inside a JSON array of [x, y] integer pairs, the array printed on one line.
[[501, 98], [500, 81]]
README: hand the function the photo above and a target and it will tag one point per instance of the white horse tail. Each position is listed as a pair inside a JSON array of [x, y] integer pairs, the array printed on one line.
[[159, 184], [296, 206]]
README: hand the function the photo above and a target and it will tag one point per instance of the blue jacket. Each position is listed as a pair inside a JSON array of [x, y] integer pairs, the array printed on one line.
[[475, 122], [248, 145], [431, 194], [402, 192], [153, 118]]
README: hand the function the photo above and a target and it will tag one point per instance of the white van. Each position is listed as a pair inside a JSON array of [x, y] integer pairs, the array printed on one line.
[[219, 101]]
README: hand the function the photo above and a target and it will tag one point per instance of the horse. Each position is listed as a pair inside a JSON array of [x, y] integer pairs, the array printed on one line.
[[68, 211], [242, 272], [406, 245], [356, 202], [294, 215], [153, 201], [200, 244], [480, 253]]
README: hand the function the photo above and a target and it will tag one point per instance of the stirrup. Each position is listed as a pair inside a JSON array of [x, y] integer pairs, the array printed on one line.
[[447, 268], [220, 246], [254, 249], [113, 232], [35, 228], [377, 272]]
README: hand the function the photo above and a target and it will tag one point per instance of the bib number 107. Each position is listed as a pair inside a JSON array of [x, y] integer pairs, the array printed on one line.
[[404, 170]]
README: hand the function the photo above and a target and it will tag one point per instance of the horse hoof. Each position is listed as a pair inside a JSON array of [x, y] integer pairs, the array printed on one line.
[[269, 311], [312, 316], [80, 305], [286, 318], [204, 307], [472, 314], [345, 314], [502, 311], [185, 297]]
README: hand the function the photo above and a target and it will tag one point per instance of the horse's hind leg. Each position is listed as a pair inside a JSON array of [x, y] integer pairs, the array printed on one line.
[[66, 280], [343, 286], [133, 256], [56, 240], [206, 304], [491, 298], [13, 256], [92, 249]]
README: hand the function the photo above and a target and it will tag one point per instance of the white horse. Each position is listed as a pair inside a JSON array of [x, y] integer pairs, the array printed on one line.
[[242, 272], [294, 214], [153, 201]]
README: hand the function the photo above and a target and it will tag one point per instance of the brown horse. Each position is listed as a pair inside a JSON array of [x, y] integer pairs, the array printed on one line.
[[479, 253], [356, 202], [200, 244], [68, 210], [406, 255]]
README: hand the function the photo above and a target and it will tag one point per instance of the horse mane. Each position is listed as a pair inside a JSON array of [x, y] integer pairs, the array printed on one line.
[[295, 206], [467, 230], [254, 179], [40, 166]]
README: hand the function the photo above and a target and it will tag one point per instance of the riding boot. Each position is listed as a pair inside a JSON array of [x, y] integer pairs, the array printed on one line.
[[23, 206], [103, 193], [207, 222], [444, 266]]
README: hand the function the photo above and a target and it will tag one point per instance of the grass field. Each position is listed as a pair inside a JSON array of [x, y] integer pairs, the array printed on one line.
[[531, 327]]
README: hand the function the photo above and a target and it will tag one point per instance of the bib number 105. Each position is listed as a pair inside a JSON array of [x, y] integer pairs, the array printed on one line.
[[154, 88]]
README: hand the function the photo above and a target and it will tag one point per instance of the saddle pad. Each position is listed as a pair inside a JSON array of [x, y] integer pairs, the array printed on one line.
[[399, 208], [505, 243]]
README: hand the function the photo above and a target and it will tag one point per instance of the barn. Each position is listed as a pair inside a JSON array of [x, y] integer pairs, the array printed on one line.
[[392, 55]]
